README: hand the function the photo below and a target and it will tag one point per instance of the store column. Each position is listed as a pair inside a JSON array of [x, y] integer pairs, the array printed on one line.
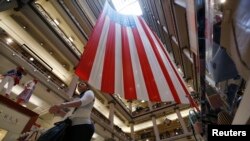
[[183, 125], [72, 86], [242, 115], [132, 130], [111, 113], [156, 131], [130, 106]]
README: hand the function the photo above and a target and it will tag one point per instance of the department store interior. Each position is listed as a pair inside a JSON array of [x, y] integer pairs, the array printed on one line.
[[207, 40]]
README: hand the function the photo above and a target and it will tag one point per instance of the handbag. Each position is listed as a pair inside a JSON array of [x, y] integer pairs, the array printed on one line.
[[57, 132]]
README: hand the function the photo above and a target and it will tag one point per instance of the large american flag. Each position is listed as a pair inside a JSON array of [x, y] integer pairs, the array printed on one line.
[[125, 57]]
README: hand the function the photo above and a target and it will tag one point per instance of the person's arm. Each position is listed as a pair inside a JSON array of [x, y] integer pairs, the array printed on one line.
[[85, 99], [30, 84], [74, 103]]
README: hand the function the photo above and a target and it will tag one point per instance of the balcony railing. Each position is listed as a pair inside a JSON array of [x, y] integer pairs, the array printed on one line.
[[99, 118], [18, 54]]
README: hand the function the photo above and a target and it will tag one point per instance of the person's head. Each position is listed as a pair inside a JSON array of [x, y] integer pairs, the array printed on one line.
[[21, 70], [82, 87]]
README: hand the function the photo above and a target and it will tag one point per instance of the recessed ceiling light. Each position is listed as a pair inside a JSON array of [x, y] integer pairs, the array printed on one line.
[[222, 1], [71, 39], [9, 40], [56, 21], [31, 59]]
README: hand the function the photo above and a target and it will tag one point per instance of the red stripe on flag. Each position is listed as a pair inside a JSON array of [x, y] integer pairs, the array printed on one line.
[[161, 63], [108, 74], [180, 80], [150, 83], [128, 75], [86, 62]]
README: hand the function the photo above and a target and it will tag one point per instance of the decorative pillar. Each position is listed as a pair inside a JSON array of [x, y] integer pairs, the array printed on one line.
[[242, 115], [156, 131], [150, 105], [130, 106], [111, 113], [183, 125], [132, 131], [72, 86]]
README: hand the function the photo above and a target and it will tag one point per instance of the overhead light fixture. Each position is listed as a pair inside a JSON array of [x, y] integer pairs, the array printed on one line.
[[49, 76], [9, 40], [71, 39], [127, 7], [56, 21], [179, 69], [222, 1], [31, 59]]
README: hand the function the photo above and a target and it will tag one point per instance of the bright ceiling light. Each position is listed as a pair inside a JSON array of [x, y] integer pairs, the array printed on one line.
[[184, 113], [56, 21], [222, 1], [128, 7], [71, 39], [9, 40], [31, 59]]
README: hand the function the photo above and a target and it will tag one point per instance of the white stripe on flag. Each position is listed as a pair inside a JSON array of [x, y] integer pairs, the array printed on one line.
[[141, 90], [174, 79], [96, 72], [163, 88], [119, 89]]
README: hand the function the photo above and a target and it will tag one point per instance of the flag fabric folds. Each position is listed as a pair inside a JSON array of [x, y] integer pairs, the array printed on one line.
[[125, 57], [221, 66]]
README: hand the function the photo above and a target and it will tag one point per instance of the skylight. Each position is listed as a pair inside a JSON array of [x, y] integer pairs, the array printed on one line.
[[127, 7]]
